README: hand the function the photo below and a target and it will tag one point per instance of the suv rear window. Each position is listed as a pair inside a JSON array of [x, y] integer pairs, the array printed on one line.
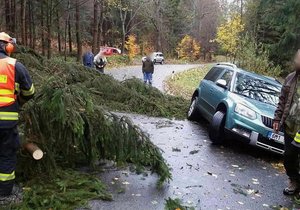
[[213, 74]]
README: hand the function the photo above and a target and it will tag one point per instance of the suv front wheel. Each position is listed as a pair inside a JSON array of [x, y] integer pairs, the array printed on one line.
[[216, 130], [193, 112]]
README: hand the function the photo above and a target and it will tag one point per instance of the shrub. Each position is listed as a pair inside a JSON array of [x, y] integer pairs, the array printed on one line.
[[188, 48], [255, 57], [132, 47]]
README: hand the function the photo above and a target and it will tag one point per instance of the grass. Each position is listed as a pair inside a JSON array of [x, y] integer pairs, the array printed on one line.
[[184, 84]]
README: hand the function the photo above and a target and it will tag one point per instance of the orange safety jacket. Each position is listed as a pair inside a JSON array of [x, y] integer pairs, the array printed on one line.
[[8, 92]]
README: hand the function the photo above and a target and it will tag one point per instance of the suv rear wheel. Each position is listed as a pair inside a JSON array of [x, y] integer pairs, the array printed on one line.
[[216, 130], [193, 113]]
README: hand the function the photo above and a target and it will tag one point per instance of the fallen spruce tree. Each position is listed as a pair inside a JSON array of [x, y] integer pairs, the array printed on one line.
[[70, 119]]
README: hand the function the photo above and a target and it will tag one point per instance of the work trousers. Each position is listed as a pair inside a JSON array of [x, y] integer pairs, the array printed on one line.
[[9, 144], [291, 158]]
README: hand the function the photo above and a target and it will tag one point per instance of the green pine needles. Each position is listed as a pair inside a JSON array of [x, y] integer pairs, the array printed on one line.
[[70, 119]]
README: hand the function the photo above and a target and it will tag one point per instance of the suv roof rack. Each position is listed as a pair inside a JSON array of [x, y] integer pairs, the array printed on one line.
[[228, 64]]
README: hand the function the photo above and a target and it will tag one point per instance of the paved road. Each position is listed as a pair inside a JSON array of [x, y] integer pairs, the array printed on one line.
[[161, 72], [235, 176]]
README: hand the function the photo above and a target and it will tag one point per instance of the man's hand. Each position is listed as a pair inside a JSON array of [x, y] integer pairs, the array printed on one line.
[[276, 126]]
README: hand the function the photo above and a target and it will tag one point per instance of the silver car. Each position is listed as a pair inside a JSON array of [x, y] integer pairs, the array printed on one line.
[[158, 57]]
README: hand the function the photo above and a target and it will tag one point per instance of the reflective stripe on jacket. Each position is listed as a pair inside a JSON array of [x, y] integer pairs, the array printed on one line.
[[7, 82]]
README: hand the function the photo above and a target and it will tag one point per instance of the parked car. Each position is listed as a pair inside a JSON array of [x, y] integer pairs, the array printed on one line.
[[158, 57], [240, 103]]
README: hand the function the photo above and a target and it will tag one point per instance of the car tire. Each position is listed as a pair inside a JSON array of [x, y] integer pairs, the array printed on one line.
[[162, 62], [216, 129], [193, 113], [154, 61]]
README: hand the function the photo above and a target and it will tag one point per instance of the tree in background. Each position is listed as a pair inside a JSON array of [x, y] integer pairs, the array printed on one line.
[[205, 17], [255, 57], [275, 23], [132, 47], [60, 26], [229, 34], [188, 49]]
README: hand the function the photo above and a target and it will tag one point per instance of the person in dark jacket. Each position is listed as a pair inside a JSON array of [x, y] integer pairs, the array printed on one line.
[[88, 59], [16, 88], [287, 115], [148, 70], [100, 62]]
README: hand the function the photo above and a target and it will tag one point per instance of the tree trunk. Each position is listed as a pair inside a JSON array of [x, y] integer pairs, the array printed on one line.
[[58, 31], [95, 26], [42, 29], [7, 16], [123, 20], [13, 17], [66, 31], [78, 37], [33, 25], [23, 21], [29, 23], [69, 28], [34, 150], [100, 29], [49, 31]]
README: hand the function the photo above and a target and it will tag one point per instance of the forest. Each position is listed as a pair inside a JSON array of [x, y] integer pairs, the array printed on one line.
[[258, 35], [64, 27]]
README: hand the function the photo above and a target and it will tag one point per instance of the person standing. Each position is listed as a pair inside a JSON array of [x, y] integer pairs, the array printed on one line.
[[16, 88], [287, 115], [88, 59], [148, 70], [100, 62]]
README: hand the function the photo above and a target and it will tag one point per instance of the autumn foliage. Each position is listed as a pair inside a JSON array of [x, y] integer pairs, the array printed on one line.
[[228, 35], [132, 47], [188, 48]]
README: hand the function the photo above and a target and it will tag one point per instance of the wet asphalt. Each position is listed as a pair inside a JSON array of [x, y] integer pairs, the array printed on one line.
[[234, 176], [161, 72]]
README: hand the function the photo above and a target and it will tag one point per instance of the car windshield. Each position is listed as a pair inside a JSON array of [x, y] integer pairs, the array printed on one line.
[[257, 89]]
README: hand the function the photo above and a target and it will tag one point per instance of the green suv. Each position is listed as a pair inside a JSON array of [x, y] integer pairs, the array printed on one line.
[[240, 103]]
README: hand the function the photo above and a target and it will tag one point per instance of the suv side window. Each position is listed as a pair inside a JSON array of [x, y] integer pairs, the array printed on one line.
[[213, 74], [227, 76]]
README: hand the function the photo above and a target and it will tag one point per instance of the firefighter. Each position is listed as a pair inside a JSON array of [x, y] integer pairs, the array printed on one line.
[[15, 89]]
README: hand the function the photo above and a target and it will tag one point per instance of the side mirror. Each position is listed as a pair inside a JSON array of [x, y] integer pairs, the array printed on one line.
[[222, 83]]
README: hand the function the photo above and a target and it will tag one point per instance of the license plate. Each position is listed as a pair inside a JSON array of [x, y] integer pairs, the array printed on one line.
[[276, 137]]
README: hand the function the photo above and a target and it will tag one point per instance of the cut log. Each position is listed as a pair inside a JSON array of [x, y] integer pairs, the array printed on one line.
[[34, 150]]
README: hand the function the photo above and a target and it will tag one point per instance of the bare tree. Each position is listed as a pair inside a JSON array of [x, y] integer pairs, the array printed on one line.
[[78, 32], [95, 26], [7, 15], [23, 21]]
